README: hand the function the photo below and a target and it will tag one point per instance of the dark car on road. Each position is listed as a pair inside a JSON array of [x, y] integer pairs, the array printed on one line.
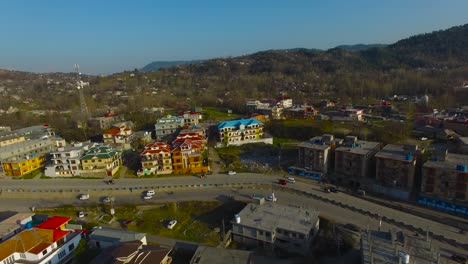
[[282, 182], [333, 189]]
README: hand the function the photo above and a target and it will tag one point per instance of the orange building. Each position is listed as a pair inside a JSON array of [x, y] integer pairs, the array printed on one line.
[[187, 157]]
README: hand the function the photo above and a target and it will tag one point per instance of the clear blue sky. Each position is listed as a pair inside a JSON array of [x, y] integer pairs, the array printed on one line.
[[107, 36]]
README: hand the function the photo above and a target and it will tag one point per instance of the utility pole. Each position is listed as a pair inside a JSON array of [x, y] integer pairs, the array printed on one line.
[[84, 113]]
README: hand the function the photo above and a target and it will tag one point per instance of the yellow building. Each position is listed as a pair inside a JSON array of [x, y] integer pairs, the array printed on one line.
[[19, 167], [100, 161]]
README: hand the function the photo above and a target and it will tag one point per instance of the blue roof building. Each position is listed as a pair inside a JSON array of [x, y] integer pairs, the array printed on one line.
[[241, 131]]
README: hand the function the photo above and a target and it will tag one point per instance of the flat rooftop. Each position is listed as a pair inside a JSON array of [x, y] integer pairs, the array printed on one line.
[[319, 143], [14, 222], [270, 216], [360, 148], [209, 255], [395, 152], [450, 163]]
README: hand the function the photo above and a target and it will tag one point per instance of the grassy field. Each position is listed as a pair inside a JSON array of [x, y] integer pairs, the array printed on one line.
[[196, 221], [217, 114]]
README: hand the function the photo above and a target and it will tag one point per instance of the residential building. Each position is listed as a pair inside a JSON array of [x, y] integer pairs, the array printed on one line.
[[100, 160], [397, 247], [315, 155], [14, 224], [277, 112], [104, 122], [270, 226], [241, 131], [24, 150], [47, 243], [196, 135], [66, 160], [354, 160], [353, 114], [187, 157], [102, 237], [133, 252], [445, 176], [167, 126], [156, 159], [191, 118], [285, 102], [395, 167], [120, 133], [300, 112], [261, 118], [211, 255], [23, 157]]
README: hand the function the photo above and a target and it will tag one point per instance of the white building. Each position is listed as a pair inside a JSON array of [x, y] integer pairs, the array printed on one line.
[[66, 160]]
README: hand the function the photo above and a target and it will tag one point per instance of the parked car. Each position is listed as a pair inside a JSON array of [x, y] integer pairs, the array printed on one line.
[[150, 192], [333, 190], [171, 224], [361, 192], [84, 196], [291, 180], [110, 182], [147, 197], [282, 182], [81, 214], [271, 198], [326, 189], [108, 199], [231, 172]]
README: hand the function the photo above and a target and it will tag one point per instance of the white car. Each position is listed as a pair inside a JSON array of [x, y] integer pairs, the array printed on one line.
[[271, 198], [147, 197], [81, 214], [108, 199], [291, 180], [150, 192], [84, 196], [232, 173], [171, 224]]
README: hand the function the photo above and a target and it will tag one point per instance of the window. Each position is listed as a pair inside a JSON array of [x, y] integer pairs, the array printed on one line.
[[22, 255], [62, 254], [72, 246], [44, 252]]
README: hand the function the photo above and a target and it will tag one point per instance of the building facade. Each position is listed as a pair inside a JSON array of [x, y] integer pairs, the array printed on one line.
[[191, 118], [240, 131], [276, 229], [353, 161], [156, 159], [395, 167], [120, 133], [167, 126], [187, 157], [66, 160], [100, 161], [315, 154], [446, 177]]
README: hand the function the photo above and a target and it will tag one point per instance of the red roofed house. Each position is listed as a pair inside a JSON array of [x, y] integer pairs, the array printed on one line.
[[187, 157], [156, 159], [46, 243], [195, 135], [120, 133]]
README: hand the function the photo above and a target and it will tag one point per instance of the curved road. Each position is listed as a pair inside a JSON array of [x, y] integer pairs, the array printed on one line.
[[20, 195]]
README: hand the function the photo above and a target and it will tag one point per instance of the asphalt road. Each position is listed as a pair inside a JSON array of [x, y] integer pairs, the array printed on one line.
[[54, 192]]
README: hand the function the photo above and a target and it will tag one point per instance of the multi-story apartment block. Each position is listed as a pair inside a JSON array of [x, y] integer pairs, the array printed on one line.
[[120, 133], [167, 126], [66, 160], [240, 131], [156, 159], [446, 177], [191, 118], [187, 157], [23, 157], [48, 243], [395, 167], [101, 161], [354, 159], [271, 226], [315, 154]]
